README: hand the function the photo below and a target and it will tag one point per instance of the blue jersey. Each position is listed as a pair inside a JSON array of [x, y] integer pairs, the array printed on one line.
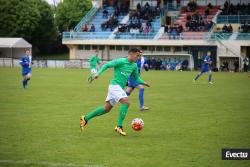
[[205, 65], [140, 64], [25, 62]]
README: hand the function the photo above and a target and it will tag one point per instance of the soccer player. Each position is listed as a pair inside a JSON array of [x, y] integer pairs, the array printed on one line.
[[94, 61], [206, 67], [123, 68], [132, 84], [25, 62]]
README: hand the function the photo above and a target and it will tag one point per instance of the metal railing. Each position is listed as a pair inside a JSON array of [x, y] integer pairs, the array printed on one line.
[[150, 36], [85, 35], [226, 36], [226, 19], [128, 35], [86, 18]]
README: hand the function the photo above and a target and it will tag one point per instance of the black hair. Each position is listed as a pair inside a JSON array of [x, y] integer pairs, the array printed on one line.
[[133, 50]]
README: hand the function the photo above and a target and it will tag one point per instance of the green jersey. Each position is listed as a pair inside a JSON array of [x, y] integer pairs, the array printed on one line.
[[93, 61], [122, 70]]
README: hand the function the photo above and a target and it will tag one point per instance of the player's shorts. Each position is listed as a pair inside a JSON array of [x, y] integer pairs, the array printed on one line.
[[93, 71], [26, 71], [132, 83], [115, 93], [205, 69]]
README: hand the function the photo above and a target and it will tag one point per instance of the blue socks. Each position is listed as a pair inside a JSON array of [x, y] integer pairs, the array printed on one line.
[[141, 97], [24, 83], [197, 76]]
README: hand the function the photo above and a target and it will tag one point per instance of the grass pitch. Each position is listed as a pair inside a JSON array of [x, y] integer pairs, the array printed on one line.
[[187, 125]]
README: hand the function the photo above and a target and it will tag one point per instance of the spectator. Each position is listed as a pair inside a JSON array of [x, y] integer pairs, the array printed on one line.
[[224, 29], [230, 28], [92, 28], [245, 64], [225, 67], [184, 65], [191, 6], [207, 12], [85, 29], [236, 66], [105, 13], [209, 5]]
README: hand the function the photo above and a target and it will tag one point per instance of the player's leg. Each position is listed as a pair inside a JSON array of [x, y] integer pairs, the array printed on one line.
[[97, 112], [28, 77], [24, 82], [129, 90], [210, 77], [141, 97], [123, 111], [197, 76]]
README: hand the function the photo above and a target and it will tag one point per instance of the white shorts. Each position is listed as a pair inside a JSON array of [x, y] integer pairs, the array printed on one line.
[[93, 71], [115, 93]]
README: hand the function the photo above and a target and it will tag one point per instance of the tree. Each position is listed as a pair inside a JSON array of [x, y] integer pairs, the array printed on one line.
[[70, 12], [30, 19]]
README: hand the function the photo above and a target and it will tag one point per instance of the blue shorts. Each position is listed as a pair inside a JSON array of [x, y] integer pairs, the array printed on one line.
[[205, 69], [132, 83], [26, 71]]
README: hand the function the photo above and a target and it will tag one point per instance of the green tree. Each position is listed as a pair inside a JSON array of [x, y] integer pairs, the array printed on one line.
[[70, 12], [30, 19]]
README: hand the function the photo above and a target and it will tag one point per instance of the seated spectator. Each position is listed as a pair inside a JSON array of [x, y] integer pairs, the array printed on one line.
[[184, 65], [209, 5], [165, 28], [224, 66], [105, 13], [191, 6], [230, 28], [92, 28], [173, 33], [206, 12], [224, 29], [85, 29]]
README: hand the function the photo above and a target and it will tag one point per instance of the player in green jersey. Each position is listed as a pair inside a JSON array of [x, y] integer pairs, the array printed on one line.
[[123, 68], [93, 62]]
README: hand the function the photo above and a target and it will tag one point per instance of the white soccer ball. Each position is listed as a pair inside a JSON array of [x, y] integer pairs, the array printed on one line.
[[137, 124]]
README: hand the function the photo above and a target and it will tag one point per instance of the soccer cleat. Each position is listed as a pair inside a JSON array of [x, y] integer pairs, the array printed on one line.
[[194, 81], [83, 122], [144, 108], [90, 79], [211, 83], [120, 131]]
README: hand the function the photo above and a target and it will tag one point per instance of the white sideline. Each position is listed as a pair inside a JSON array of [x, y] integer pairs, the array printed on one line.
[[53, 164]]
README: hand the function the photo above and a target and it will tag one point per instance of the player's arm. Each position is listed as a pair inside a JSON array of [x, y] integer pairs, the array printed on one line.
[[23, 63], [137, 78], [107, 65], [207, 62]]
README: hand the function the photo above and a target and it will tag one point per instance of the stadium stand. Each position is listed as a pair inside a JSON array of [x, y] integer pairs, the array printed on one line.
[[166, 30]]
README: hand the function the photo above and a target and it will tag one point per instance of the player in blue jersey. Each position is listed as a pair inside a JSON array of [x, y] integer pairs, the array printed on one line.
[[206, 67], [132, 84], [25, 62]]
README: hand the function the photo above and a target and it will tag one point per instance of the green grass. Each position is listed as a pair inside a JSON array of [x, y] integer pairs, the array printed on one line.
[[187, 126]]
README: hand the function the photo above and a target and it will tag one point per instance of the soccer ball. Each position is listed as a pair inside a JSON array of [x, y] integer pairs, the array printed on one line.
[[137, 124]]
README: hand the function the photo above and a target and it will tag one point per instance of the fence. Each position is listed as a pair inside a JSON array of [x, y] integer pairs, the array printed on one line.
[[8, 62]]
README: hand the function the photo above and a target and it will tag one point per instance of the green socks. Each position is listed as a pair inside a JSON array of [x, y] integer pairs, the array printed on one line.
[[99, 111], [122, 115]]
